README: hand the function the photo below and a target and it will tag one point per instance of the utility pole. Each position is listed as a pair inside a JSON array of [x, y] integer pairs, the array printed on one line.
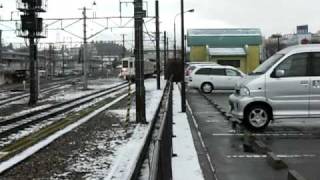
[[183, 85], [31, 28], [63, 61], [139, 14], [53, 61], [85, 61], [33, 68], [50, 61], [174, 40], [123, 46], [0, 46], [165, 54], [158, 45]]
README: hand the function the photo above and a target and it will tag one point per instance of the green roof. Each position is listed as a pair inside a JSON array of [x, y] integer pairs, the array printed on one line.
[[224, 37]]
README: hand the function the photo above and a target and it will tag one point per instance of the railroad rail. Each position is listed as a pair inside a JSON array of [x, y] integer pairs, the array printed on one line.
[[19, 96], [9, 126], [15, 125]]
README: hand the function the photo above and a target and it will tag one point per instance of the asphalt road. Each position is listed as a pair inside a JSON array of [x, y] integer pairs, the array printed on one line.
[[296, 142]]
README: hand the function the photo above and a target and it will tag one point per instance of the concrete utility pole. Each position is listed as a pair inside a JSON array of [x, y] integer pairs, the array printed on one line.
[[139, 14], [63, 61], [123, 46], [183, 85], [50, 61], [174, 40], [85, 61], [158, 45], [165, 54], [0, 45]]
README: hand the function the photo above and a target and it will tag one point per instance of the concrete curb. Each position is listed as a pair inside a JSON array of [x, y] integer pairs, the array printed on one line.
[[275, 162], [261, 147], [294, 175]]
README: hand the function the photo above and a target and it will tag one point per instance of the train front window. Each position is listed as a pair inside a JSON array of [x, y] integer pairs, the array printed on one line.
[[124, 64], [131, 64]]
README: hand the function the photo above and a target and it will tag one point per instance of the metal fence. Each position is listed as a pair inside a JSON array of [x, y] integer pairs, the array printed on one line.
[[157, 149], [161, 167]]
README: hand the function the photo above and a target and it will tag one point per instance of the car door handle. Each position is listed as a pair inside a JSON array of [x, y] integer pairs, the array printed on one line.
[[304, 82]]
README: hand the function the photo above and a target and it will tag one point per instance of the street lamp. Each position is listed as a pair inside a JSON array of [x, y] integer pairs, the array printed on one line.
[[174, 25]]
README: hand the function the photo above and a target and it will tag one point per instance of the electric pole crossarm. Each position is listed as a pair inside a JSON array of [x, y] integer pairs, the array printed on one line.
[[53, 23], [80, 37], [63, 27]]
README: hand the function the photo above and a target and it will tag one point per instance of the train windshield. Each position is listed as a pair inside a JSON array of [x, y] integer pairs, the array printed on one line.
[[124, 64]]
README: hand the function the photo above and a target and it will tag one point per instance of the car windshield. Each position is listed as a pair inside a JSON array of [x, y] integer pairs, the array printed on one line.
[[264, 67]]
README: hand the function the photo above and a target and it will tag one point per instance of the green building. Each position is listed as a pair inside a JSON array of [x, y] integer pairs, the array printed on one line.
[[236, 47]]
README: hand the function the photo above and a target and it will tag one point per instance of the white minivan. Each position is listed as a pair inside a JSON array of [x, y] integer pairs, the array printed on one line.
[[212, 77], [285, 86]]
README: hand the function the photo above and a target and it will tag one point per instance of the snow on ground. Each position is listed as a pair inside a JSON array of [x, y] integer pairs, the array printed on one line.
[[104, 83], [186, 165], [45, 123], [78, 92], [24, 112], [120, 161], [28, 152], [126, 155]]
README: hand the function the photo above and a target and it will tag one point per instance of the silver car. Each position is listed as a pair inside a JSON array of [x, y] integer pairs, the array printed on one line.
[[287, 85]]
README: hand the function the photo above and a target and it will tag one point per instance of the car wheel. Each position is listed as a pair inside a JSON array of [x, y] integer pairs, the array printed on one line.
[[257, 117], [207, 88]]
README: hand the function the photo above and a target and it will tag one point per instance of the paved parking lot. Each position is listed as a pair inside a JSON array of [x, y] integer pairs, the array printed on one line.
[[296, 142]]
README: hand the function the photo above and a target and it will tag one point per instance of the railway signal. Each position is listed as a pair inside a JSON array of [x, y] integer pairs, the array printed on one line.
[[31, 28]]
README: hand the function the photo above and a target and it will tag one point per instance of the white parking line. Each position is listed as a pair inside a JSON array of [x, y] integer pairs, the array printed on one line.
[[262, 134], [259, 156], [206, 112], [202, 142]]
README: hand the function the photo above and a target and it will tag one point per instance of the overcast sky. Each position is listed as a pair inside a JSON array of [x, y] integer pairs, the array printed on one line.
[[271, 16]]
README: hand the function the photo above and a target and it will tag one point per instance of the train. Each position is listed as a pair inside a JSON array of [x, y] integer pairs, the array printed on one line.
[[127, 71]]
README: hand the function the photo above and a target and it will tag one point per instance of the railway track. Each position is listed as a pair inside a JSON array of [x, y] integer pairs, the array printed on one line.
[[54, 86], [16, 124], [51, 120]]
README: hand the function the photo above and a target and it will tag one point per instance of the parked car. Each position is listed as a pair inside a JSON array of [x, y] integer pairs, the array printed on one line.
[[192, 66], [212, 77], [285, 86]]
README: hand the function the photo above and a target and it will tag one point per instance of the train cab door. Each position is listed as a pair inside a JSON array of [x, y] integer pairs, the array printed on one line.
[[131, 67]]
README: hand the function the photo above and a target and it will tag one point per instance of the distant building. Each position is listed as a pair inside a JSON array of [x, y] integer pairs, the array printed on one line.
[[303, 29], [235, 47]]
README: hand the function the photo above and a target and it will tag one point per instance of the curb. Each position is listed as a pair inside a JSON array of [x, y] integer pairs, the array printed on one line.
[[275, 162], [261, 147], [294, 175]]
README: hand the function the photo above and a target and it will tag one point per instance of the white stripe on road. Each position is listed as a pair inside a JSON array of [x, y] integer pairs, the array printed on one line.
[[258, 156], [261, 134]]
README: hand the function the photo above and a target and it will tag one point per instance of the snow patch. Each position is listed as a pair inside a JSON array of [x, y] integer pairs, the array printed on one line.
[[186, 165]]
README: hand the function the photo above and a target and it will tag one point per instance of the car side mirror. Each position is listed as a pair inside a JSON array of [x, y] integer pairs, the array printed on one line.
[[280, 73]]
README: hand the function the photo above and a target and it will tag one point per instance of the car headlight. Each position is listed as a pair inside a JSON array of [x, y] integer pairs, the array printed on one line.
[[244, 91]]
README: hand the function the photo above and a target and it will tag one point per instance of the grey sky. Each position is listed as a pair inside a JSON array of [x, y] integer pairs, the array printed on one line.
[[272, 16]]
